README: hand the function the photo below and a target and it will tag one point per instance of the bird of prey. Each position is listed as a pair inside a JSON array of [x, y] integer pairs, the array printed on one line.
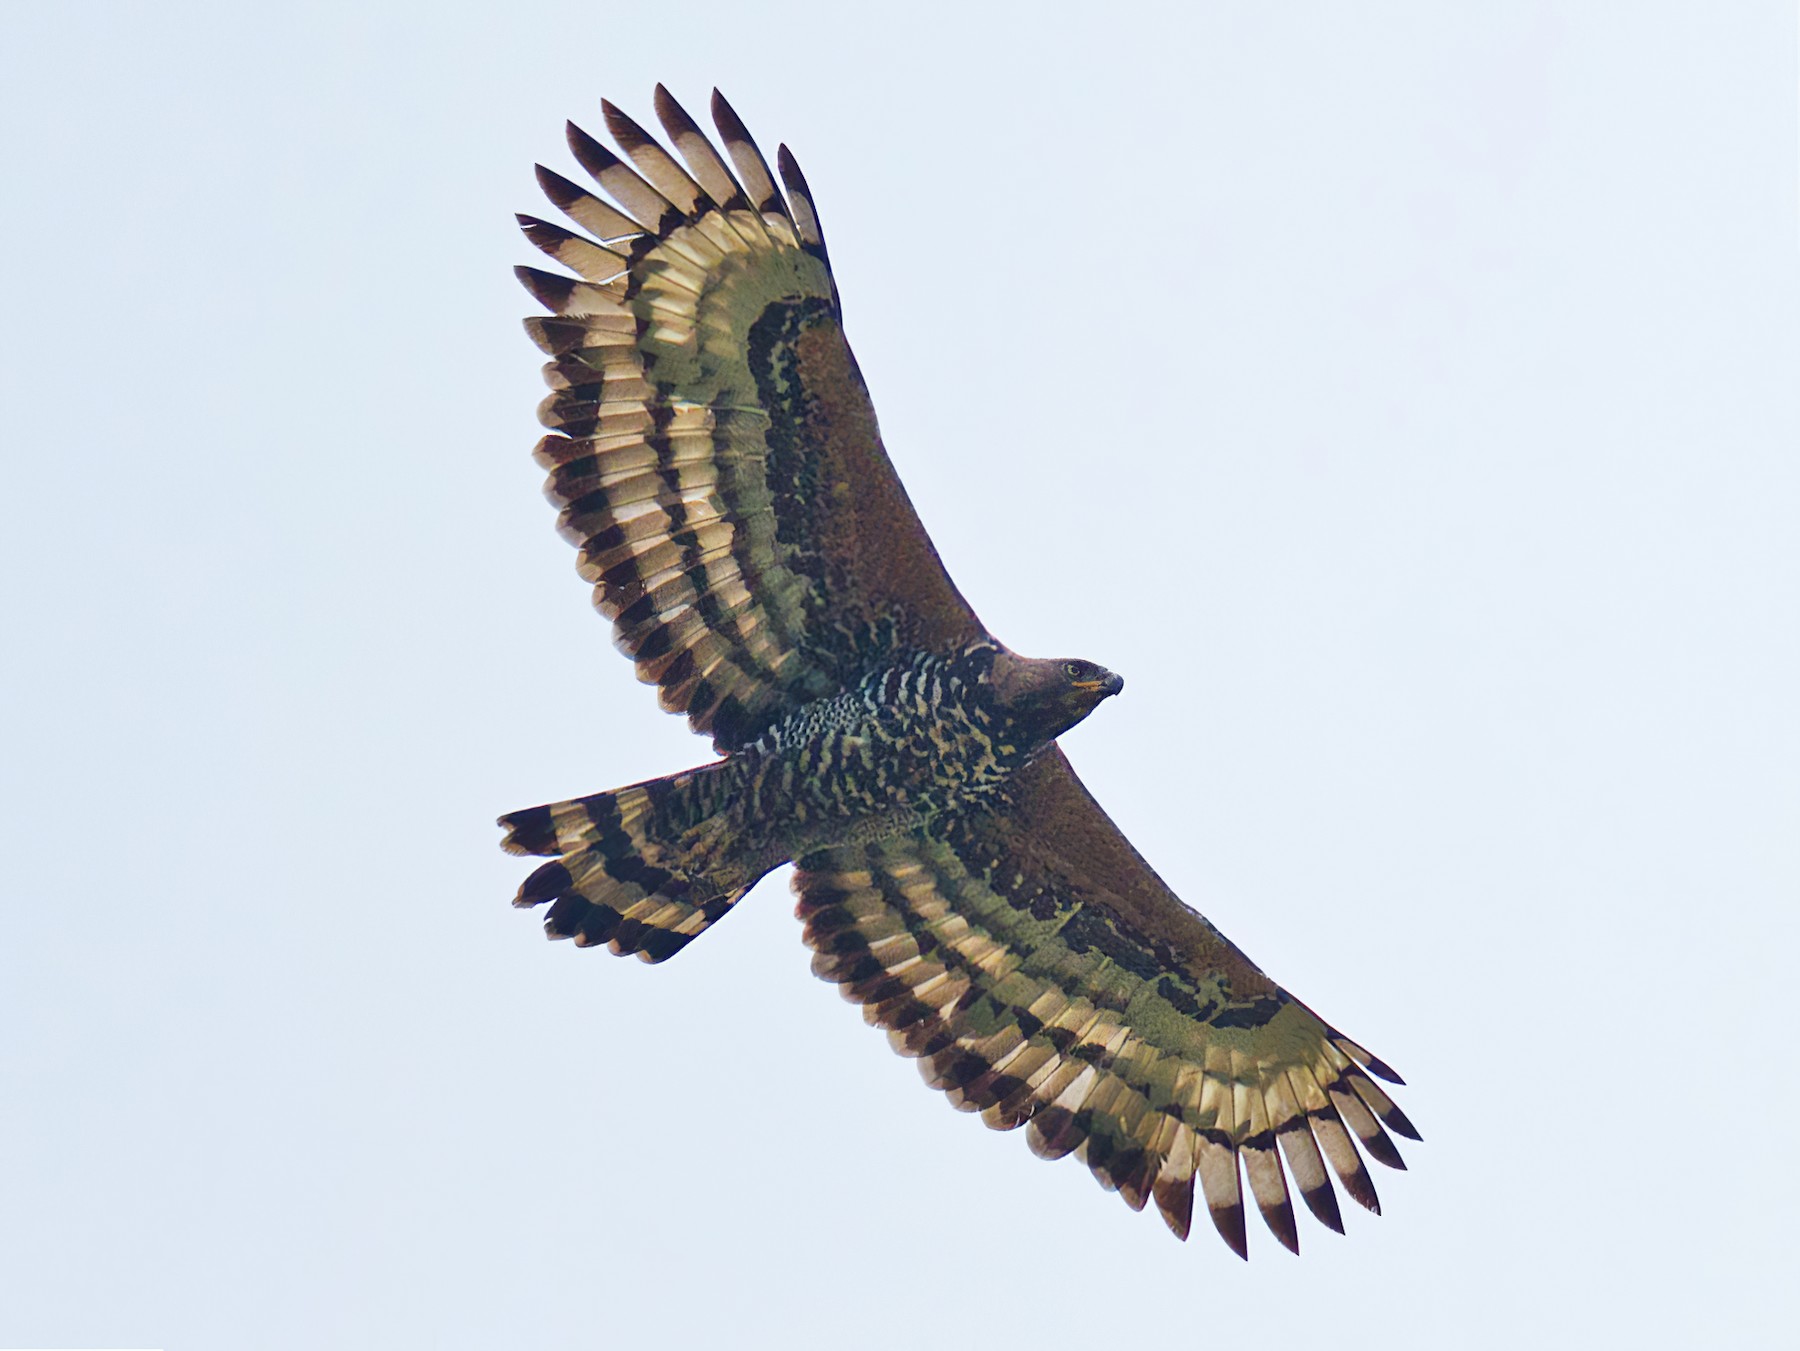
[[714, 456]]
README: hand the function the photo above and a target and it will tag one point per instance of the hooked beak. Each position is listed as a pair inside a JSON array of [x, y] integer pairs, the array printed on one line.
[[1111, 683]]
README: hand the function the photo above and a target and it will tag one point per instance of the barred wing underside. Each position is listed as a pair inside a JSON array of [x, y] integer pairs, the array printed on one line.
[[715, 454], [1046, 977]]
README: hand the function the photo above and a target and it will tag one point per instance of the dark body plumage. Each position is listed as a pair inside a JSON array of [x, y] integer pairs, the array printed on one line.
[[715, 457], [912, 741]]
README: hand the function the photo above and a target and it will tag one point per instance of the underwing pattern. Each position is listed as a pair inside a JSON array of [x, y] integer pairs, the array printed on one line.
[[715, 458]]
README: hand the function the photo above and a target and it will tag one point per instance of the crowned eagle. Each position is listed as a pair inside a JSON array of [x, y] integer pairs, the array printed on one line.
[[715, 458]]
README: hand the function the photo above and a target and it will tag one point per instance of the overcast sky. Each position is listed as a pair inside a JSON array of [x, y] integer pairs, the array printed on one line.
[[1402, 397]]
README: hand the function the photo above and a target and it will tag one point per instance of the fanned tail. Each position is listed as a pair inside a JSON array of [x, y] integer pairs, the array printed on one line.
[[643, 869]]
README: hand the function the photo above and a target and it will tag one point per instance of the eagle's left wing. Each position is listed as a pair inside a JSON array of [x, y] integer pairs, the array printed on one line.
[[1046, 977]]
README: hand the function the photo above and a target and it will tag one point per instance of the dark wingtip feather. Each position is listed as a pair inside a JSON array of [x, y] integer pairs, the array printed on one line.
[[1381, 1149], [1323, 1203], [1362, 1190], [1362, 1056], [557, 188], [1175, 1202], [551, 291], [1382, 1070], [807, 214], [669, 110], [1397, 1121], [590, 153], [1354, 1176], [726, 116], [1381, 1105], [1229, 1221], [616, 119], [1280, 1219]]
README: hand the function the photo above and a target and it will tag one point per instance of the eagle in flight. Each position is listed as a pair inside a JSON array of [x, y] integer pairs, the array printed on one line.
[[715, 458]]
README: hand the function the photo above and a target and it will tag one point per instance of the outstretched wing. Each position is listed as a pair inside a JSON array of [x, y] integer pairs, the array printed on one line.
[[1046, 977], [715, 453]]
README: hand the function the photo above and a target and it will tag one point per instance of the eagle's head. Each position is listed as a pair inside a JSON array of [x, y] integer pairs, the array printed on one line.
[[1045, 697]]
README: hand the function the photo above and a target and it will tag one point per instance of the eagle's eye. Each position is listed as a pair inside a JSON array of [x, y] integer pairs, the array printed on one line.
[[1073, 669]]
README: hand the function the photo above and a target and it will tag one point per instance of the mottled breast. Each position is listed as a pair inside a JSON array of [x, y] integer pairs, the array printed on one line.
[[910, 741]]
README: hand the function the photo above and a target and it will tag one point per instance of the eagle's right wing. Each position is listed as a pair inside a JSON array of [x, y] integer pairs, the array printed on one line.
[[1046, 977], [715, 454]]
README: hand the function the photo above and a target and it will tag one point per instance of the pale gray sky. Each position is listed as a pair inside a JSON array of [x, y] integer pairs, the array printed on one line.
[[1403, 397]]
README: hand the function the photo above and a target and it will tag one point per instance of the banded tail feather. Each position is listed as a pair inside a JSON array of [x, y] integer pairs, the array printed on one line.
[[644, 869]]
